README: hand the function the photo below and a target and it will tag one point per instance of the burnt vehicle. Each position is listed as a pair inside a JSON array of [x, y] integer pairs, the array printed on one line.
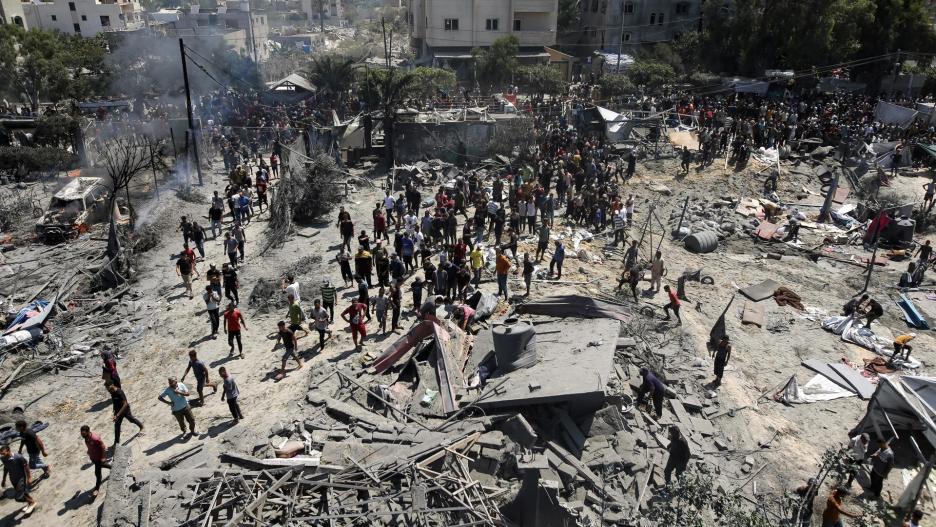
[[80, 203]]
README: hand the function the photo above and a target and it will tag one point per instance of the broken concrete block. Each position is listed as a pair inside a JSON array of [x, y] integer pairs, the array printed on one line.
[[519, 431], [282, 429], [494, 438], [316, 397]]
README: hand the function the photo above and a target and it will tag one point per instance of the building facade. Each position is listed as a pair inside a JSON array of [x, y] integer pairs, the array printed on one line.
[[245, 31], [629, 24], [332, 11], [11, 12], [84, 17], [447, 30]]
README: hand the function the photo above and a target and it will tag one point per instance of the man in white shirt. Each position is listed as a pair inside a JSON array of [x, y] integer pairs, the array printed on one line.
[[857, 452], [389, 202], [291, 287], [409, 221]]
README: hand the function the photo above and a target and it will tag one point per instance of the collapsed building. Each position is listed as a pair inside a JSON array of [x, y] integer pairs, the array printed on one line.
[[530, 422]]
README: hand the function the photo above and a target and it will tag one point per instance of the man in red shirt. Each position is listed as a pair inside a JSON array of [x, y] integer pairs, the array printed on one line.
[[355, 315], [96, 453], [233, 321], [673, 304]]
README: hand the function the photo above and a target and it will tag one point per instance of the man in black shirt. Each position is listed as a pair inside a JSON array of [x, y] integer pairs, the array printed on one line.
[[35, 448], [678, 454], [121, 411], [229, 279]]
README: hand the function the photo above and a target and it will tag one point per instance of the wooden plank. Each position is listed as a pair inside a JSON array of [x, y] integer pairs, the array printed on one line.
[[822, 368], [145, 508], [258, 502]]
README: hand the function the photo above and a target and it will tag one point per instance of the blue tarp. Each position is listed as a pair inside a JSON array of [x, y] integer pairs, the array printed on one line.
[[22, 316]]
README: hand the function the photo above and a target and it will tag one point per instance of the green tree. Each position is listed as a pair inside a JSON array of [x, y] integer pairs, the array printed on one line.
[[39, 65], [331, 73], [615, 85], [651, 75], [497, 64], [570, 15], [542, 80], [430, 82]]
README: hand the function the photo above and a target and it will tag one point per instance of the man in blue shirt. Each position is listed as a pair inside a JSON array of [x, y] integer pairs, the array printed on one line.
[[176, 396]]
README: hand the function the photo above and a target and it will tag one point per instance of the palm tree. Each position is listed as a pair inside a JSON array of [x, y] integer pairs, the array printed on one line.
[[332, 74]]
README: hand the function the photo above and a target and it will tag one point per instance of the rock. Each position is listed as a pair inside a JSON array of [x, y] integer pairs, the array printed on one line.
[[282, 429]]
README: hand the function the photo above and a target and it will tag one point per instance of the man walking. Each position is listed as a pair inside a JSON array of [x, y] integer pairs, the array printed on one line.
[[290, 343], [213, 307], [502, 266], [673, 304], [96, 453], [121, 412], [35, 448], [15, 466], [657, 270], [200, 371], [231, 393], [185, 267], [233, 322], [176, 396], [679, 454], [320, 321], [355, 316]]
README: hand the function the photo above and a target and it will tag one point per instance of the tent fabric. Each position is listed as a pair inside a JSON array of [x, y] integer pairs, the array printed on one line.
[[903, 401], [856, 333], [889, 113]]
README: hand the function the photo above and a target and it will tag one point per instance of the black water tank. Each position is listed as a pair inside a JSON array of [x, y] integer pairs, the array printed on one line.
[[514, 345]]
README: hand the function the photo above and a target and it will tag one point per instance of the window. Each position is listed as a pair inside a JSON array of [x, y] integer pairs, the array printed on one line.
[[517, 25], [84, 18], [71, 6], [18, 20], [682, 8], [54, 18], [594, 6], [451, 24], [77, 28], [604, 6], [491, 24], [105, 20], [661, 19], [626, 37], [652, 18], [628, 8]]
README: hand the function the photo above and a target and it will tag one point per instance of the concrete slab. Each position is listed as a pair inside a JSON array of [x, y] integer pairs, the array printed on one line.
[[761, 291], [859, 384], [575, 366], [822, 367]]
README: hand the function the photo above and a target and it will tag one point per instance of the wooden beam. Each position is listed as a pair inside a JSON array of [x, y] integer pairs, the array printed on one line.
[[258, 502]]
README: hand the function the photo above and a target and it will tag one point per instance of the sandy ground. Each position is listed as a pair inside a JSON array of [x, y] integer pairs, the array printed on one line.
[[763, 358]]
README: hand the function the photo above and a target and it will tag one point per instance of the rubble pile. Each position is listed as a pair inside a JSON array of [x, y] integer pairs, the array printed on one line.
[[535, 424], [716, 216]]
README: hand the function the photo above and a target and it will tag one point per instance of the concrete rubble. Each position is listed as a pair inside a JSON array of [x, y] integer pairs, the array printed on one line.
[[525, 446]]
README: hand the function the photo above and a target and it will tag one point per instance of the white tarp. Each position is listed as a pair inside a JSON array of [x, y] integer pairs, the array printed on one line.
[[889, 113], [819, 388], [856, 333]]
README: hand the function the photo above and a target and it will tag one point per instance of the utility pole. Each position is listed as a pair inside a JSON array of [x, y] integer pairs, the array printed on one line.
[[322, 18], [617, 67], [191, 117]]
